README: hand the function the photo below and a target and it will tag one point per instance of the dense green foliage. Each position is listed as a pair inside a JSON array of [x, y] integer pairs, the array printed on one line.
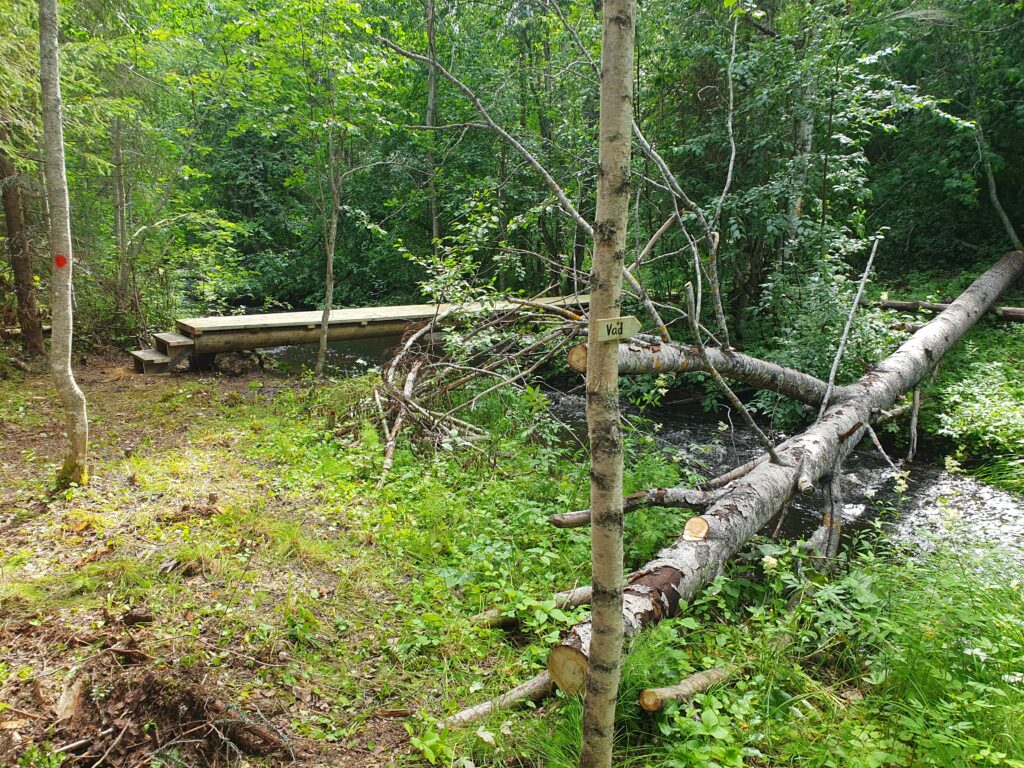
[[226, 115]]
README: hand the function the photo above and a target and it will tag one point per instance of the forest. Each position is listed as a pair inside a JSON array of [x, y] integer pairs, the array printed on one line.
[[517, 383]]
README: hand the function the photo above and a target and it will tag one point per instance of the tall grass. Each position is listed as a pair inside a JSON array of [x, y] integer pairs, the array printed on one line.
[[905, 659]]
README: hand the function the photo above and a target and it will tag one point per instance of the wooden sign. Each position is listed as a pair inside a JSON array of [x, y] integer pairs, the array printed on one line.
[[617, 328]]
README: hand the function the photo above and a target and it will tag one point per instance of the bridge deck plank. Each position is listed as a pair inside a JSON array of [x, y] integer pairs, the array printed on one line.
[[195, 326]]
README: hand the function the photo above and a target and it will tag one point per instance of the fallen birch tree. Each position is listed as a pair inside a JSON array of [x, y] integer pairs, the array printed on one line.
[[661, 588]]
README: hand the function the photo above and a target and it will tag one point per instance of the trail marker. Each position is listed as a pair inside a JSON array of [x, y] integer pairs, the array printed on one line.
[[617, 328]]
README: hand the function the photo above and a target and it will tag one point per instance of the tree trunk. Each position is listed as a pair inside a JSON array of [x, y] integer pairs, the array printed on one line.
[[334, 158], [431, 116], [993, 193], [120, 220], [659, 589], [602, 679], [29, 317], [75, 468], [637, 357]]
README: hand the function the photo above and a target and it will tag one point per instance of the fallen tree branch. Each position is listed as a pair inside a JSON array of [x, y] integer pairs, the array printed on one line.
[[653, 699], [653, 497], [640, 357], [572, 598], [534, 689], [1012, 314]]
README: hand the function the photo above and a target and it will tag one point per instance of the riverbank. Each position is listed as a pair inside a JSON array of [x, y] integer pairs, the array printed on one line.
[[233, 573]]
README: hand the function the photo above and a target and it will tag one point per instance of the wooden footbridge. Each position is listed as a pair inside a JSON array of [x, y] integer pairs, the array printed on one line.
[[201, 338]]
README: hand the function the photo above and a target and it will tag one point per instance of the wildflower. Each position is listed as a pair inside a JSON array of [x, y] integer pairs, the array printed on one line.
[[900, 487], [770, 563], [952, 465], [976, 652], [1014, 677]]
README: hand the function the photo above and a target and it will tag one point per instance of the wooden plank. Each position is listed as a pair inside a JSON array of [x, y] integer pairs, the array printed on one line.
[[150, 355], [150, 361], [169, 340], [196, 326]]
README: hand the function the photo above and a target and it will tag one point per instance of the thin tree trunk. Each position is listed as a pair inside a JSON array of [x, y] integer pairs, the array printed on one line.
[[604, 669], [75, 468], [120, 219], [334, 156], [431, 117], [29, 317], [993, 193]]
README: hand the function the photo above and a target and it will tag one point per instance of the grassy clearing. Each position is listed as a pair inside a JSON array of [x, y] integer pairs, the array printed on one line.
[[258, 540], [276, 573]]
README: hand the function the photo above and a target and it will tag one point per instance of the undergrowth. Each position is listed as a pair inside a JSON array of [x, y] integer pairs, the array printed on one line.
[[901, 659], [262, 544]]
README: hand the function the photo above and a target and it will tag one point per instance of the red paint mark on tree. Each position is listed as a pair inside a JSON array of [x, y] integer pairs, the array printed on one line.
[[60, 261]]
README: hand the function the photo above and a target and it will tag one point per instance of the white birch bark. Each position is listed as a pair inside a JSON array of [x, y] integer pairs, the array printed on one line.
[[605, 660], [74, 469]]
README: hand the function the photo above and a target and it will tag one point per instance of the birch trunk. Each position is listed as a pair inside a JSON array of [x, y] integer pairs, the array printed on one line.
[[120, 218], [74, 469], [637, 357], [660, 589], [334, 157], [431, 117], [29, 317], [604, 668]]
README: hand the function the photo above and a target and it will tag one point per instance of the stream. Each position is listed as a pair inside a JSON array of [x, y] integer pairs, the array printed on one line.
[[936, 503]]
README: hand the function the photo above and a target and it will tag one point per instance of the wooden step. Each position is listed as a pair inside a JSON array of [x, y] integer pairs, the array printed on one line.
[[150, 361], [166, 342], [176, 346]]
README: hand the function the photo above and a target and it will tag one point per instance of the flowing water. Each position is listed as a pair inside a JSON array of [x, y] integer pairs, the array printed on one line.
[[936, 502]]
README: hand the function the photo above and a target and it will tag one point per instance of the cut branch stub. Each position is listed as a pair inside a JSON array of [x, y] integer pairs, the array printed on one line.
[[696, 529]]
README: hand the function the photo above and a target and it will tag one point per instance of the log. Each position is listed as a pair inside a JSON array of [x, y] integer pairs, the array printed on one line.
[[653, 699], [653, 497], [534, 689], [661, 588], [1012, 314], [639, 357], [214, 342]]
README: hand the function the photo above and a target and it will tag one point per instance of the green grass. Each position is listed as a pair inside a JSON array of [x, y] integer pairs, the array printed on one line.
[[299, 574], [901, 660]]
